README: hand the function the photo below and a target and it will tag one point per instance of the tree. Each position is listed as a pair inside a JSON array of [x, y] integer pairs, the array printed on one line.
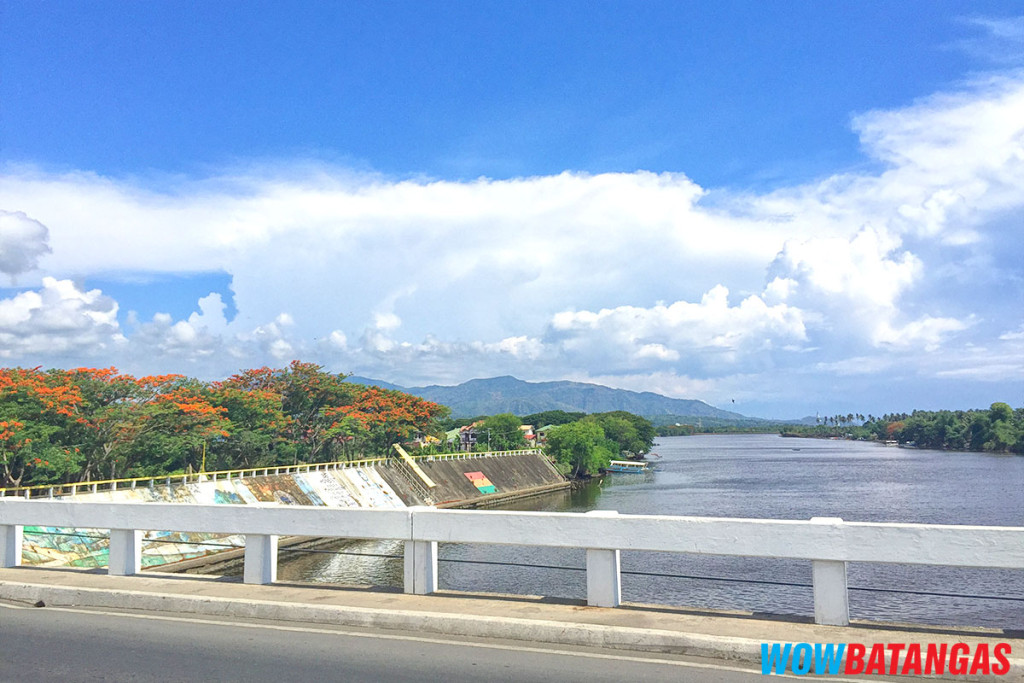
[[35, 407], [149, 425], [1003, 434], [384, 417], [633, 434], [257, 425], [580, 447], [552, 417], [308, 394], [501, 433]]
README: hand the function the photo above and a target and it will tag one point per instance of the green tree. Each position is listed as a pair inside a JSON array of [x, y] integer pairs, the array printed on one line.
[[501, 433], [1003, 434], [257, 427], [552, 417], [580, 448], [633, 434]]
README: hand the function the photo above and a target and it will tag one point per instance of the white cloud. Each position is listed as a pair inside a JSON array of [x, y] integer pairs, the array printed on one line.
[[863, 270], [57, 321], [1017, 335], [338, 340], [658, 352], [926, 332], [620, 338], [211, 313], [518, 347], [22, 242]]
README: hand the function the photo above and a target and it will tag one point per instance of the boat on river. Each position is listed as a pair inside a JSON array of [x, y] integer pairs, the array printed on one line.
[[630, 466]]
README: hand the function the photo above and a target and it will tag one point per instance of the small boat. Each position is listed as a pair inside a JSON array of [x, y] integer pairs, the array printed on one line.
[[633, 466]]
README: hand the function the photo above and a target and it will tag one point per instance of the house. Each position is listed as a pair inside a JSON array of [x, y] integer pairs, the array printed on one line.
[[542, 434], [528, 434]]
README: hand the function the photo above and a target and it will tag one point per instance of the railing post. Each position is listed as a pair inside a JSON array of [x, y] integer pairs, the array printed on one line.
[[11, 538], [420, 562], [421, 567], [260, 559], [831, 599], [125, 552], [604, 579]]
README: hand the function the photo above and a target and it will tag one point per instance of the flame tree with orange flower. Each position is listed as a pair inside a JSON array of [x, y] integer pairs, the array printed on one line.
[[59, 426], [388, 417]]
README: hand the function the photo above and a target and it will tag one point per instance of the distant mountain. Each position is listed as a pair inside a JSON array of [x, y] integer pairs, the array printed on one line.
[[366, 381], [511, 395]]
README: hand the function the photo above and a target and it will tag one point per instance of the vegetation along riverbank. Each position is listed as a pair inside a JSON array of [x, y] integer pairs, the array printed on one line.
[[999, 429]]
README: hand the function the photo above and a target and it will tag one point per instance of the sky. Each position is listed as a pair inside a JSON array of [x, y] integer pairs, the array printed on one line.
[[782, 208]]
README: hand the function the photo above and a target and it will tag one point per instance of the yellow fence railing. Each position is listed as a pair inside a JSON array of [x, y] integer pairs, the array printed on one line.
[[71, 489]]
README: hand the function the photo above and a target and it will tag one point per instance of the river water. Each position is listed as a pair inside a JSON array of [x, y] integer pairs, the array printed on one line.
[[761, 476]]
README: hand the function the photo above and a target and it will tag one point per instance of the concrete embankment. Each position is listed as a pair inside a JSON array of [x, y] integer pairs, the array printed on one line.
[[469, 480], [473, 482]]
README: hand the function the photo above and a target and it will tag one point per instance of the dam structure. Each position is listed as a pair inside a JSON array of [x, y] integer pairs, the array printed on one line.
[[454, 480]]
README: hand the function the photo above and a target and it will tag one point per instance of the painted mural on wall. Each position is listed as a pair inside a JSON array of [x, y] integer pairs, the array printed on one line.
[[55, 547], [344, 488], [481, 482]]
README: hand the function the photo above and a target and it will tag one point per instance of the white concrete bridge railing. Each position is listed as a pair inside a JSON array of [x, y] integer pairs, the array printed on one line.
[[829, 543]]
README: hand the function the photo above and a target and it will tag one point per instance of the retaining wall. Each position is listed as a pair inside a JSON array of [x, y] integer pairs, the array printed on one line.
[[388, 484]]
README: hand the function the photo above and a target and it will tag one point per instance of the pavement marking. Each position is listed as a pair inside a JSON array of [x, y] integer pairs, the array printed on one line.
[[434, 641]]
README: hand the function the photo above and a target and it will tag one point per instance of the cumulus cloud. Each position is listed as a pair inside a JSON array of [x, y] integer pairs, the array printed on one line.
[[22, 242], [60, 320], [709, 331]]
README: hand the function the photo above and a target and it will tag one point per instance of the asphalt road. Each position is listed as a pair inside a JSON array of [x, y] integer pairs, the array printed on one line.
[[58, 644]]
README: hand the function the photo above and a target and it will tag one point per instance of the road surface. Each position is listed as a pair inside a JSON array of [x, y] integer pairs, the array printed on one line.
[[48, 644]]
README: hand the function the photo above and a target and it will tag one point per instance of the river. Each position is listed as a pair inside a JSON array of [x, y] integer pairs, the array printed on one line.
[[762, 476]]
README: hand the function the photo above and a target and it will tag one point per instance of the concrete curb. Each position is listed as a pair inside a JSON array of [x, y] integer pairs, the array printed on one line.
[[530, 630]]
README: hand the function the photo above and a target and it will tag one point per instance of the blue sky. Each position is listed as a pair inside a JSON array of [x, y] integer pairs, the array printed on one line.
[[801, 206]]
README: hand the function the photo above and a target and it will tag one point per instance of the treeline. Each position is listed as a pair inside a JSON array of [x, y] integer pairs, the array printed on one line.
[[1000, 429], [62, 426]]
